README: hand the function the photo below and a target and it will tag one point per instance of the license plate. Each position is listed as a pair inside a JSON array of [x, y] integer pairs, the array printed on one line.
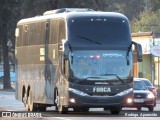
[[138, 100]]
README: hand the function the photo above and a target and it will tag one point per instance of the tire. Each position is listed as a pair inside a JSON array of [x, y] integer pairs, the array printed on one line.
[[31, 105], [139, 108], [42, 109], [105, 108], [60, 108], [81, 109], [115, 110], [76, 109], [56, 100], [27, 106], [25, 101], [85, 109], [151, 108]]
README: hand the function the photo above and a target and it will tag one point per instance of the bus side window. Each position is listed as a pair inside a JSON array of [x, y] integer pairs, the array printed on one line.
[[53, 32], [39, 33], [19, 37], [25, 36], [62, 31], [31, 34]]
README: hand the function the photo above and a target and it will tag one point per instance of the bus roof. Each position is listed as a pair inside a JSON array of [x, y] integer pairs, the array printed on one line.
[[74, 14]]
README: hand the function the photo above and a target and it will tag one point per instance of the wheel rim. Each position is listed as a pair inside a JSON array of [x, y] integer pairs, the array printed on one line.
[[26, 101], [57, 101], [30, 102], [27, 106]]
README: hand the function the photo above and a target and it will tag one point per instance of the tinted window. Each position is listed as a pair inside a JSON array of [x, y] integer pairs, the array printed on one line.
[[103, 31], [41, 32], [139, 85], [148, 83], [104, 64], [61, 30], [25, 35], [32, 28], [54, 31], [19, 38]]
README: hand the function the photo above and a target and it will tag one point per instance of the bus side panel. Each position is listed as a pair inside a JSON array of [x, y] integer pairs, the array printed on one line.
[[51, 71], [17, 44]]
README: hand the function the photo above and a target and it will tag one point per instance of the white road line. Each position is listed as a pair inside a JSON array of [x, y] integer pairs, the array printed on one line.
[[62, 118]]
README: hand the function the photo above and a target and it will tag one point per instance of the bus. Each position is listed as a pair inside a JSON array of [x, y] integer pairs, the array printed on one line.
[[75, 58]]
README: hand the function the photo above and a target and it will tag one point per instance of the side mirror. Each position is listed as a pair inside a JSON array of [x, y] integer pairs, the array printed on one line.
[[139, 51]]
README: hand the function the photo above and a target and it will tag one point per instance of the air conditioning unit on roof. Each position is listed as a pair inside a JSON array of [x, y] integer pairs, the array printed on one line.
[[63, 10]]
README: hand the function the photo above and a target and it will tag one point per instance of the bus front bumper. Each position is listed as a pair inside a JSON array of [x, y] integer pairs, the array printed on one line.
[[96, 101]]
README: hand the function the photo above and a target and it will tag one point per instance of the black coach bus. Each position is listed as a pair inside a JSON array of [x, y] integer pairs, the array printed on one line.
[[75, 58]]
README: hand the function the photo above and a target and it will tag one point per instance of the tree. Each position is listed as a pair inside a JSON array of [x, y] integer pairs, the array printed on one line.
[[131, 8], [3, 38], [148, 21], [155, 5]]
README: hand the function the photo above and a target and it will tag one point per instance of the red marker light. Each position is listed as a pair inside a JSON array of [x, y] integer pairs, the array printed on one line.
[[97, 56]]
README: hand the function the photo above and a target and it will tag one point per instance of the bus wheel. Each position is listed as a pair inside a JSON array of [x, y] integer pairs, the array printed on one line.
[[25, 101], [56, 100], [76, 109], [42, 109], [80, 109], [85, 109], [31, 105], [27, 106], [115, 110], [60, 108]]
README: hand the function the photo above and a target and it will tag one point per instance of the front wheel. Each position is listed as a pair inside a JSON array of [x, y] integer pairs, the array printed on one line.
[[42, 109], [81, 109], [60, 108], [115, 110]]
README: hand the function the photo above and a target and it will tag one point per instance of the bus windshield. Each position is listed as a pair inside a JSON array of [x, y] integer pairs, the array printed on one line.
[[92, 31], [101, 64]]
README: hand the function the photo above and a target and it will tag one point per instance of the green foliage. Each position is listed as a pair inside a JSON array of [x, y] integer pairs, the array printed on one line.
[[131, 8], [148, 21]]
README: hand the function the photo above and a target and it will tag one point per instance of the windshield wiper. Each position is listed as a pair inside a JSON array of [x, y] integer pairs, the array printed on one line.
[[89, 40], [117, 77], [80, 80]]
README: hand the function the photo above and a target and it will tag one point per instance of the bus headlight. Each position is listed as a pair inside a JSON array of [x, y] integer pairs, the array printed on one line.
[[125, 92], [72, 100], [77, 92]]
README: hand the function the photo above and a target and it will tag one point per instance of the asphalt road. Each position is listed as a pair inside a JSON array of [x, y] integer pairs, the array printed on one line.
[[9, 104]]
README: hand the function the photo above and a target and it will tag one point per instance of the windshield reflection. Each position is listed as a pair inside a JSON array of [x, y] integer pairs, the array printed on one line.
[[139, 85], [100, 64]]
